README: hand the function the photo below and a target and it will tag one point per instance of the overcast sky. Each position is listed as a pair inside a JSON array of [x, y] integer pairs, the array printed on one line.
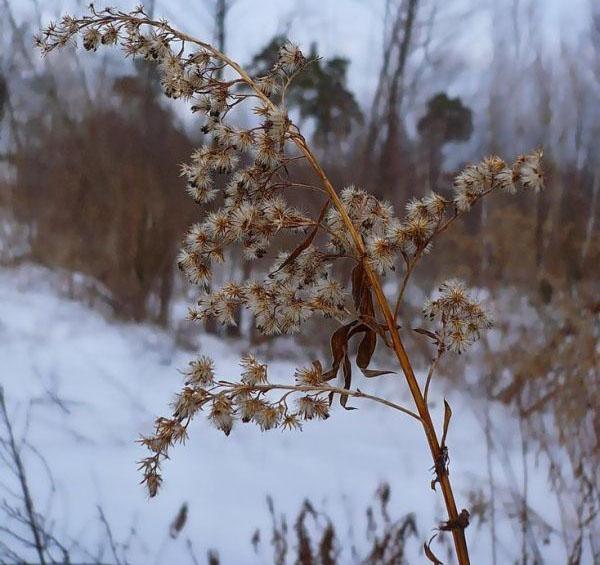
[[352, 28]]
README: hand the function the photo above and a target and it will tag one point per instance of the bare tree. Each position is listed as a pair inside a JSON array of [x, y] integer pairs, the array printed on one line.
[[384, 129]]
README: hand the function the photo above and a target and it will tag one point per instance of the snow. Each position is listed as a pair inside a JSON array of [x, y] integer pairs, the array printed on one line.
[[113, 378]]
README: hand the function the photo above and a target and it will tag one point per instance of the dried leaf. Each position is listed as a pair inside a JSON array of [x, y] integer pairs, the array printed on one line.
[[347, 370], [447, 416], [365, 352], [366, 305], [361, 294], [339, 349], [358, 284], [371, 373], [459, 523], [423, 331], [429, 554], [366, 349], [358, 329], [370, 321]]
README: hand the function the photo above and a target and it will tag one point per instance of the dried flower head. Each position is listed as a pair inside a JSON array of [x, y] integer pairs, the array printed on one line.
[[461, 317], [528, 171]]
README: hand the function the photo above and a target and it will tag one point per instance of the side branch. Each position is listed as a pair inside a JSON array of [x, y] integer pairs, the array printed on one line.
[[329, 390]]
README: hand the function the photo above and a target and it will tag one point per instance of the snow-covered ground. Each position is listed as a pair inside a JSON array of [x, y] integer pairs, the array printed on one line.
[[90, 387]]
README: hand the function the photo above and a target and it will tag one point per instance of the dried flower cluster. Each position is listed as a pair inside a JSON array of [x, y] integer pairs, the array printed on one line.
[[224, 403], [477, 180], [461, 318], [251, 211]]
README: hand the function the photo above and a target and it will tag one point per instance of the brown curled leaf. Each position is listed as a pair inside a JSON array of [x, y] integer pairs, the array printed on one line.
[[359, 328], [366, 307], [366, 349], [339, 349], [371, 373], [429, 554], [365, 353], [347, 371], [423, 331], [359, 284], [447, 416], [361, 293], [330, 397]]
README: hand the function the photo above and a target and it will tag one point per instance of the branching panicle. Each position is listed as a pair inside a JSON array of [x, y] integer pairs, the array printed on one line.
[[299, 283]]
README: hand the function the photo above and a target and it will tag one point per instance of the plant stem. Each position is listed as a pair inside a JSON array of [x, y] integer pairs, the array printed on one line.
[[460, 542]]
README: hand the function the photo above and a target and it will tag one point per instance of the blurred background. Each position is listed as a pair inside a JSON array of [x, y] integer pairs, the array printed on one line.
[[92, 308]]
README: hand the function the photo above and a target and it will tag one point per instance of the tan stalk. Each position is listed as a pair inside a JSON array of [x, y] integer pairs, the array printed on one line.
[[460, 542]]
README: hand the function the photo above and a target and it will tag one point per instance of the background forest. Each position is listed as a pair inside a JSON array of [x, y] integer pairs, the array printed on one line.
[[402, 94]]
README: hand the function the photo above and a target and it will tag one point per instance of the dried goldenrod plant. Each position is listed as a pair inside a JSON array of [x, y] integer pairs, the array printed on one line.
[[351, 226]]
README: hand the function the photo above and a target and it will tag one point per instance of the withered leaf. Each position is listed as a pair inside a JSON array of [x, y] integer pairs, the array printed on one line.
[[371, 373], [423, 331], [366, 349], [339, 349], [380, 329], [347, 370], [361, 294], [330, 398], [447, 416], [370, 321], [358, 284], [429, 554], [359, 328], [366, 305], [365, 353]]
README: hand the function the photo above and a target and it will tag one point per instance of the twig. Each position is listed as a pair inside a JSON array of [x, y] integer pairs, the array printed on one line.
[[408, 272], [111, 541], [29, 506], [336, 390]]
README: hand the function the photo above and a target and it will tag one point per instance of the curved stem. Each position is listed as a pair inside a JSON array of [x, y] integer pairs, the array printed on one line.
[[460, 542]]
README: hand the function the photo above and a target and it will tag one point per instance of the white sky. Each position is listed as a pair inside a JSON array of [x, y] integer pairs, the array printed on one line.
[[351, 28]]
